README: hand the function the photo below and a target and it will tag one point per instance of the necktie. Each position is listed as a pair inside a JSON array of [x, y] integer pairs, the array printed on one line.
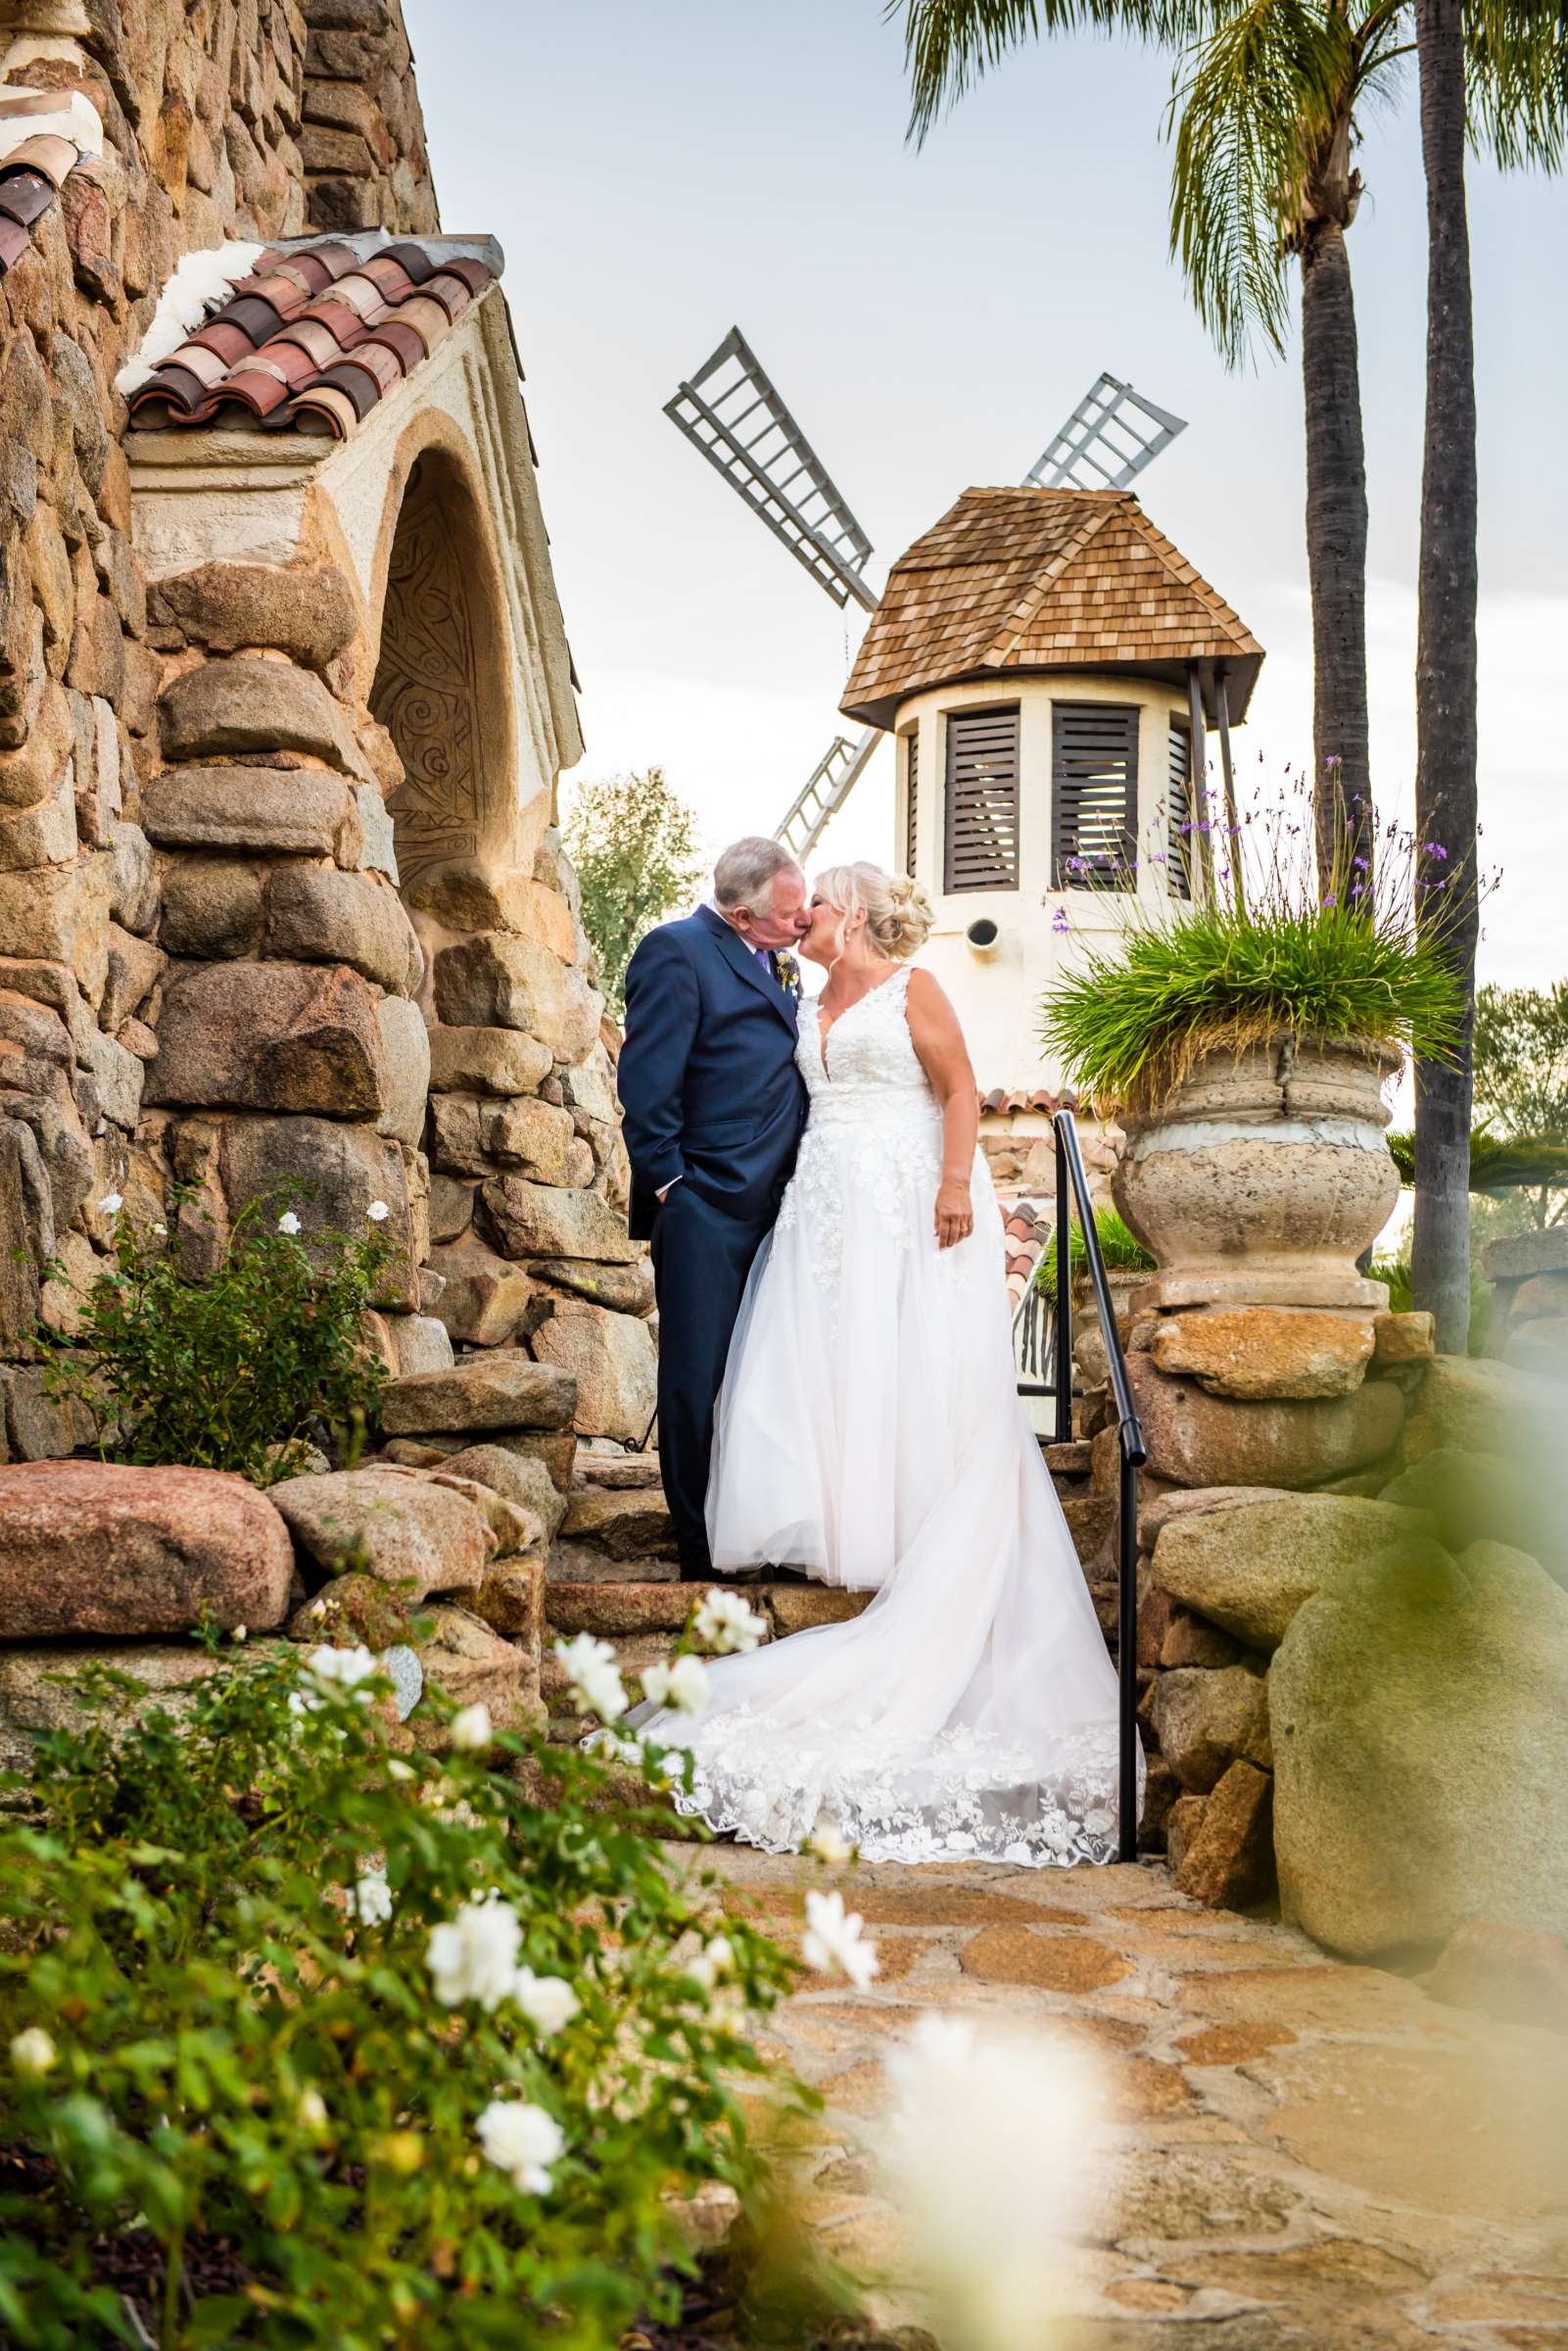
[[765, 957]]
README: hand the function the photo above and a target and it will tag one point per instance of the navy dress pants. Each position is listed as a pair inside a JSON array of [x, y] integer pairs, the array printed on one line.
[[702, 1258]]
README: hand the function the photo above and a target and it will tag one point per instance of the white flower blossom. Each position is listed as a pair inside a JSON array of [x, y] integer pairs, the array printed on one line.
[[593, 1676], [471, 1728], [548, 2001], [521, 2141], [241, 1632], [111, 1203], [725, 1622], [311, 2110], [162, 1231], [370, 1899], [683, 1685], [988, 2153], [331, 1669], [378, 1212], [834, 1941], [828, 1843], [289, 1223], [33, 2053], [474, 1957], [715, 1960]]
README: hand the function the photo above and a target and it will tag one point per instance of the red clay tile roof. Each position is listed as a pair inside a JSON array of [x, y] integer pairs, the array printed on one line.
[[1014, 581], [315, 337], [34, 169]]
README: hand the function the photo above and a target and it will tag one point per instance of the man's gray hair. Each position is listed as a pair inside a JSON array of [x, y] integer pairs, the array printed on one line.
[[747, 872]]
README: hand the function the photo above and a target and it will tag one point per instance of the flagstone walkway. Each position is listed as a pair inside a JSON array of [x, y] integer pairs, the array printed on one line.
[[1304, 2156]]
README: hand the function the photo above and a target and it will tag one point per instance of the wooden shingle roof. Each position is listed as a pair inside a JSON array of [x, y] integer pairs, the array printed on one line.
[[1014, 581]]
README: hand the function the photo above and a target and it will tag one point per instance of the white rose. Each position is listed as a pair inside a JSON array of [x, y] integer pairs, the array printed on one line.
[[472, 1729], [548, 2001], [474, 1957], [33, 2053], [289, 1223], [370, 1899], [593, 1676], [378, 1212], [522, 2141], [835, 1942], [111, 1203], [727, 1624]]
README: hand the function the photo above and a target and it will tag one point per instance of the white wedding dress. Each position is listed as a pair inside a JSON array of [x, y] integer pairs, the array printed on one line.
[[869, 1429]]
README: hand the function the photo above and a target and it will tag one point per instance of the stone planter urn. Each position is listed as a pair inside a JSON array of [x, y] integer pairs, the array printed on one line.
[[1262, 1177]]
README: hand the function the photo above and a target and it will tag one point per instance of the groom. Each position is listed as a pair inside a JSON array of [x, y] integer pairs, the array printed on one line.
[[714, 1106]]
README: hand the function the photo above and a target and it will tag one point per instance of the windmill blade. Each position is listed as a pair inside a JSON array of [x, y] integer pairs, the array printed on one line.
[[832, 780], [1108, 439], [730, 411]]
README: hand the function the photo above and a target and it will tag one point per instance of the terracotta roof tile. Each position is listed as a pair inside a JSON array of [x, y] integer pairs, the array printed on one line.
[[315, 337], [34, 164], [1029, 580]]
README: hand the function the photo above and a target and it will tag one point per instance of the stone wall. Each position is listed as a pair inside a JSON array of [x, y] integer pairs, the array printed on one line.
[[218, 120]]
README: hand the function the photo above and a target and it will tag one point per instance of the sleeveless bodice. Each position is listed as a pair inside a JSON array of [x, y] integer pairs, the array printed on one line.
[[874, 1127], [871, 1073]]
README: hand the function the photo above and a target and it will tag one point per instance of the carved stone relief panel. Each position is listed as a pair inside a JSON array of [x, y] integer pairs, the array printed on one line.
[[427, 686]]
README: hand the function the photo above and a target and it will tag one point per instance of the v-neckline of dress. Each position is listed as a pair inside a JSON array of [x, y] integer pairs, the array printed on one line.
[[823, 1034]]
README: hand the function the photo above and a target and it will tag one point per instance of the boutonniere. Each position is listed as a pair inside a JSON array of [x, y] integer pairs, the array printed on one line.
[[788, 971]]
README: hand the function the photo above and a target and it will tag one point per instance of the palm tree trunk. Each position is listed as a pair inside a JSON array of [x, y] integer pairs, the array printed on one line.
[[1445, 677], [1336, 550]]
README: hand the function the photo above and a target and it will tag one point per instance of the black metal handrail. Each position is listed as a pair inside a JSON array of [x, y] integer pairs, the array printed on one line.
[[1072, 1191]]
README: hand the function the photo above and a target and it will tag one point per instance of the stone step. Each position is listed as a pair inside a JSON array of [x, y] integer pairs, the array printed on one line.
[[582, 1563], [1070, 1459], [621, 1521], [644, 1622], [630, 1472]]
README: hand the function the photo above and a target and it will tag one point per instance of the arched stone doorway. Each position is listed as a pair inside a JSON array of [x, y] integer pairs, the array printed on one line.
[[442, 683]]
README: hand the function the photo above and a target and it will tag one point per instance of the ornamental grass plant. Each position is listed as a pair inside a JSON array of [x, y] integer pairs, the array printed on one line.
[[307, 2042], [1265, 951], [1120, 1246]]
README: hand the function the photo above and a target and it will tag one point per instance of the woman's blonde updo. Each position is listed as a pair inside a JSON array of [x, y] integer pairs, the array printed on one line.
[[898, 913]]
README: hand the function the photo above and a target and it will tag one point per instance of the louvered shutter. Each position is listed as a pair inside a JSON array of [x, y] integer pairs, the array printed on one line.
[[1094, 784], [983, 800], [1179, 852], [911, 801]]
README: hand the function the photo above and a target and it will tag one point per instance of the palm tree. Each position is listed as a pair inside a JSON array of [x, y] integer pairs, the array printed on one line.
[[1263, 118], [1501, 63]]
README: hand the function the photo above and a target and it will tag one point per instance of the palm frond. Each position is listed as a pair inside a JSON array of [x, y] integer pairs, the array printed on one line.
[[949, 45], [1499, 1163], [1262, 93], [1516, 63]]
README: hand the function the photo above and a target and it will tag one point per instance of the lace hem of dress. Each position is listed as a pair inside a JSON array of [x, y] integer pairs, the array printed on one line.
[[955, 1798]]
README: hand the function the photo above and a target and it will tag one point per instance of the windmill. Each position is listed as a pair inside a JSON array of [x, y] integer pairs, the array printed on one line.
[[730, 411]]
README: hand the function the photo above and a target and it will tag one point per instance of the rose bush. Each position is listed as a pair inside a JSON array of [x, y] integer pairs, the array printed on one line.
[[315, 2042]]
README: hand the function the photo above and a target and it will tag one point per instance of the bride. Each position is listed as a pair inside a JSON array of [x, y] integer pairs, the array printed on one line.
[[869, 1428]]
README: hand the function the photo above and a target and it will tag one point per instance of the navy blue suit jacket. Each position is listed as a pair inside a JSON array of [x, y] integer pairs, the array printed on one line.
[[707, 1074]]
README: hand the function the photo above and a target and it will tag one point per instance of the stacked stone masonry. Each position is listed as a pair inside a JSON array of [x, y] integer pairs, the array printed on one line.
[[210, 979]]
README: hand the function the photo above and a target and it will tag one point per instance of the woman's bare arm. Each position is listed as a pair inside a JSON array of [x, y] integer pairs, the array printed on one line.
[[939, 1046]]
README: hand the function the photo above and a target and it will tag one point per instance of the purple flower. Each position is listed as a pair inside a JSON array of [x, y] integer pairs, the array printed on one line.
[[1058, 920], [1361, 861], [1156, 858], [1435, 848], [1331, 899]]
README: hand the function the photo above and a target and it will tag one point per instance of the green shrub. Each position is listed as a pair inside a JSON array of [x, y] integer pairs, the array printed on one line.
[[1122, 1252], [232, 1368], [1270, 952], [274, 2073]]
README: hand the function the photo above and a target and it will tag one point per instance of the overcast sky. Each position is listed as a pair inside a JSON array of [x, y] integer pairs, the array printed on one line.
[[660, 170]]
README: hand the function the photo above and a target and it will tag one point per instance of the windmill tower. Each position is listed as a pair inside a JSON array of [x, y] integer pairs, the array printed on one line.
[[1048, 664]]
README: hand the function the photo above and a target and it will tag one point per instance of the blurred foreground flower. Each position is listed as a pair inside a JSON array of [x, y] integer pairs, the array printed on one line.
[[728, 1623], [986, 2154], [834, 1941]]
